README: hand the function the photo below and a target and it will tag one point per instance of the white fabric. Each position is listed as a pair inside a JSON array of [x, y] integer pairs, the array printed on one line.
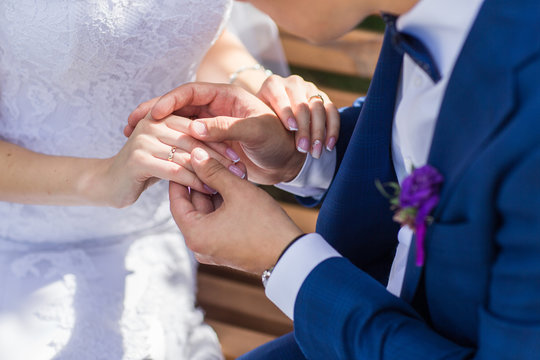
[[443, 26], [85, 282], [314, 178], [260, 35], [306, 253]]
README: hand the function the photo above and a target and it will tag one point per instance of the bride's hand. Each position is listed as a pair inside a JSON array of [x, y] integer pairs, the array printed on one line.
[[157, 150], [297, 104], [303, 108]]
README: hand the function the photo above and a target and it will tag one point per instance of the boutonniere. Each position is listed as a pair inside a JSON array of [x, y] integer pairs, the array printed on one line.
[[414, 201]]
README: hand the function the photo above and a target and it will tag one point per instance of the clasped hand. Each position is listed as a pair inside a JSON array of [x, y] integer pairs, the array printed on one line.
[[241, 226]]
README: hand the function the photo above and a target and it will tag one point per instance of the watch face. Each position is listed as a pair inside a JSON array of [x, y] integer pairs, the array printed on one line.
[[266, 275]]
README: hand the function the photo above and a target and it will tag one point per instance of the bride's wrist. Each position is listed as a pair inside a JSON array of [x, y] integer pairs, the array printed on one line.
[[93, 185], [250, 77]]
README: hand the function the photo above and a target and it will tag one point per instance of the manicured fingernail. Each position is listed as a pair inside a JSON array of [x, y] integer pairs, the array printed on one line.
[[331, 143], [200, 155], [293, 125], [237, 171], [232, 155], [303, 145], [209, 189], [316, 149], [199, 128]]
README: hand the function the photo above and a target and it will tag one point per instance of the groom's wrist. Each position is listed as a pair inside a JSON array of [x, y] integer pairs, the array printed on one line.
[[268, 272]]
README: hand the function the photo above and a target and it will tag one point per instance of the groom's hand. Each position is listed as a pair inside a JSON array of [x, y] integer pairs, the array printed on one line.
[[230, 114], [240, 227]]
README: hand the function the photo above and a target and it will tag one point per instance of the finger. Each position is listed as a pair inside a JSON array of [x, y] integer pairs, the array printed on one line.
[[169, 170], [215, 175], [202, 202], [138, 114], [274, 93], [182, 142], [223, 128], [333, 124], [183, 158], [182, 125], [181, 206], [318, 126], [217, 201], [241, 172], [296, 90], [178, 150], [192, 94]]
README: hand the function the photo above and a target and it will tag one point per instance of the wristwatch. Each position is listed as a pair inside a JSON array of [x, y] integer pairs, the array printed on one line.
[[266, 276], [268, 272]]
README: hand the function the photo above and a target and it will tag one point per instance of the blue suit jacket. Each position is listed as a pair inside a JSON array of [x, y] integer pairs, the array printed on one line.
[[480, 286]]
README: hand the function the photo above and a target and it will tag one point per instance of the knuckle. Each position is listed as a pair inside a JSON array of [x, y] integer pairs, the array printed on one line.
[[138, 155], [141, 108], [296, 79], [193, 182], [272, 79], [214, 169]]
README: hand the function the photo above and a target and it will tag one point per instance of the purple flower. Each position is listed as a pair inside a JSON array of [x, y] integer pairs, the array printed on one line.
[[420, 187], [414, 202]]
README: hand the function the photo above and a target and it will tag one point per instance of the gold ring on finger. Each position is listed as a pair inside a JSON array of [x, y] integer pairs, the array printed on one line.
[[171, 153], [316, 96]]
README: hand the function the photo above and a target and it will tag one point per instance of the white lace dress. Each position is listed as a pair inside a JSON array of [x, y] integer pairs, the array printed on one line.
[[87, 282]]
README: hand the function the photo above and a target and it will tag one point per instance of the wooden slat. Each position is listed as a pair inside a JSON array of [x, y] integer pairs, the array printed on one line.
[[230, 274], [235, 303], [339, 97], [354, 54], [241, 305], [236, 341], [305, 218]]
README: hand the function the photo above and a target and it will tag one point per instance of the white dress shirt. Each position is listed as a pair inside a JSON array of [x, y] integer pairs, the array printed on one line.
[[443, 26]]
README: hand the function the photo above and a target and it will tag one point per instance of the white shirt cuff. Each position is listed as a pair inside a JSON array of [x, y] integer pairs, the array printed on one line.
[[294, 267], [314, 178]]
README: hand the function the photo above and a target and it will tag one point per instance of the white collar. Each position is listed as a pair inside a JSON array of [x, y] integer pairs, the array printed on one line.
[[443, 26]]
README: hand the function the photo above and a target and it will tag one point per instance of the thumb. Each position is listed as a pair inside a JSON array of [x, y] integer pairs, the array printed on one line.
[[215, 175], [224, 128]]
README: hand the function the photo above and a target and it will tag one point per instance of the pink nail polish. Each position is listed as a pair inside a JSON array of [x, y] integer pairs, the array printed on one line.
[[237, 171], [303, 145], [209, 189], [199, 128], [331, 143], [231, 154], [316, 149], [293, 125]]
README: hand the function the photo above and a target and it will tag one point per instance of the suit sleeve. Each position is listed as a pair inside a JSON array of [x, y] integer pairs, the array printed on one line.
[[342, 313]]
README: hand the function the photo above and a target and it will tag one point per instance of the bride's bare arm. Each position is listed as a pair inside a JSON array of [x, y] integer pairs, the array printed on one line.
[[226, 56], [33, 178]]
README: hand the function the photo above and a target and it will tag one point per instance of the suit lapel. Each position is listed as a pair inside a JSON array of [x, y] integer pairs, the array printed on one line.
[[366, 159], [479, 98], [480, 92]]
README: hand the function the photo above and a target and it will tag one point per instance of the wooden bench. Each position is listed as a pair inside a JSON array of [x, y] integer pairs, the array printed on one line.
[[234, 302]]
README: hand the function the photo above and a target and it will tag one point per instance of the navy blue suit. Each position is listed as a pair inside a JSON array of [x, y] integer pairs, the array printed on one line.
[[478, 294]]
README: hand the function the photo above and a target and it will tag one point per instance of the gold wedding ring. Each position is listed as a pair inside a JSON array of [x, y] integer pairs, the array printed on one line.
[[171, 154], [316, 96]]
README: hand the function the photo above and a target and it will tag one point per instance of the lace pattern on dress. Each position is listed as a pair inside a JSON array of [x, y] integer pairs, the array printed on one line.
[[71, 71]]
